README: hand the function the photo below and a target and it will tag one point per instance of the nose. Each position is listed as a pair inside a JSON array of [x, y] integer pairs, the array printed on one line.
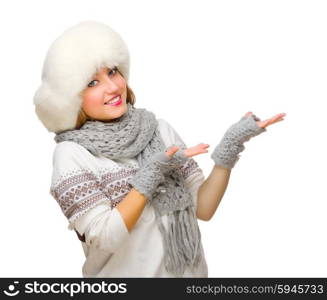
[[111, 86]]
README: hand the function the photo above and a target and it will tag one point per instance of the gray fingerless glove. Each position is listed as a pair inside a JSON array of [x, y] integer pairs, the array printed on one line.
[[148, 177], [226, 152]]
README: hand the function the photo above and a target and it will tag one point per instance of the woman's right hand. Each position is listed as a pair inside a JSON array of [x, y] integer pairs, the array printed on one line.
[[152, 173], [198, 149], [189, 152], [149, 176]]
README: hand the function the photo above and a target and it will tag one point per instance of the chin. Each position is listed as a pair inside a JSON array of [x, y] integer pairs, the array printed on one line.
[[121, 112]]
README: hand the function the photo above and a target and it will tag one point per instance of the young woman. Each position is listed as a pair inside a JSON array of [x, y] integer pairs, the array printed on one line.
[[124, 179]]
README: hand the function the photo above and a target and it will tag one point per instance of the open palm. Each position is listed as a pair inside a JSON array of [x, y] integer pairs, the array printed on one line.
[[268, 122]]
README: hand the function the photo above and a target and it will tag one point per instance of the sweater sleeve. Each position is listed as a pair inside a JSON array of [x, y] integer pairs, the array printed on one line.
[[103, 228], [77, 188], [191, 172]]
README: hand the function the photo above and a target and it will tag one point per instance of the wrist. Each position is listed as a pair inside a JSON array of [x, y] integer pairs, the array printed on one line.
[[226, 153], [166, 163], [147, 179], [179, 158]]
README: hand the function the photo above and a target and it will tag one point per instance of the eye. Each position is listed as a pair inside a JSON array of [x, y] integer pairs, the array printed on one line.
[[90, 84], [113, 71]]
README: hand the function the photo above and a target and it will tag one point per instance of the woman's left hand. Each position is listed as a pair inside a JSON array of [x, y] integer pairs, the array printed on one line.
[[268, 122], [202, 148]]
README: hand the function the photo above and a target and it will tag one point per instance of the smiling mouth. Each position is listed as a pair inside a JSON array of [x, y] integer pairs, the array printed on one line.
[[115, 101]]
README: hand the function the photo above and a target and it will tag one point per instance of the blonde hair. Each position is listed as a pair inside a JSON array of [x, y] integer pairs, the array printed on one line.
[[83, 117]]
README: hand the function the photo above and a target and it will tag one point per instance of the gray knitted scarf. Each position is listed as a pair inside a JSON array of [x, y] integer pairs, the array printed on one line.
[[136, 134]]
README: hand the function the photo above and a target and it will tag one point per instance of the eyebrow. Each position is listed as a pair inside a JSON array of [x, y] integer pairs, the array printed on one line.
[[109, 69]]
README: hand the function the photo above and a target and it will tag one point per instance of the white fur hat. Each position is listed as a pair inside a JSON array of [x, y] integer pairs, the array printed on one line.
[[71, 62]]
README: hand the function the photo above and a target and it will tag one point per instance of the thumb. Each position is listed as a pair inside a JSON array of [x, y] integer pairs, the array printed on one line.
[[172, 150]]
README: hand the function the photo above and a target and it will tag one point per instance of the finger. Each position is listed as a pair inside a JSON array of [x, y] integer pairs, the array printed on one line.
[[270, 122], [278, 116], [275, 119], [198, 152], [198, 147], [203, 145], [279, 120]]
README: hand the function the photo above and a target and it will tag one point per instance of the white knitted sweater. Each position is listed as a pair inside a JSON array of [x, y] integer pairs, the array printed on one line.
[[99, 183]]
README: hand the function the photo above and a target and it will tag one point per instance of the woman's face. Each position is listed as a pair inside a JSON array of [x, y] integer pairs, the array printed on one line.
[[104, 98]]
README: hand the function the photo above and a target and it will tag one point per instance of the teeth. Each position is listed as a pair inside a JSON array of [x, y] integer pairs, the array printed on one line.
[[113, 100]]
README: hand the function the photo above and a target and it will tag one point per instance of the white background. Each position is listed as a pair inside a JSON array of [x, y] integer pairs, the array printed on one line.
[[200, 65]]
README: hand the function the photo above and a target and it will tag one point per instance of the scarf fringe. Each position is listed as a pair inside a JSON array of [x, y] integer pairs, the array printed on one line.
[[181, 241]]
